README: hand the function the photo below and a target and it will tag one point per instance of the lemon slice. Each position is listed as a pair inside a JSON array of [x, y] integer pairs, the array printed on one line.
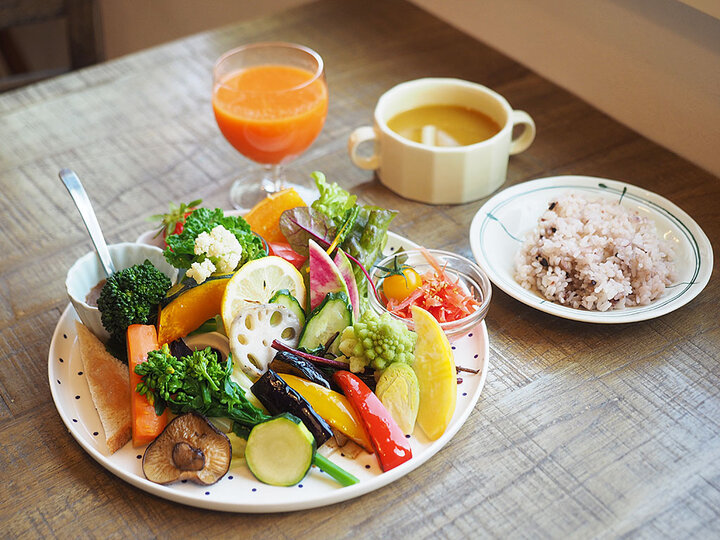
[[437, 378], [257, 282]]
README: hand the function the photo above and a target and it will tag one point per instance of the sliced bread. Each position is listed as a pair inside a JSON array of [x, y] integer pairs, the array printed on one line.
[[109, 383]]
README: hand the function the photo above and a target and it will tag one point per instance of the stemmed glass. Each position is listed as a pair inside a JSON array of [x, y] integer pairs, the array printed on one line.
[[270, 102]]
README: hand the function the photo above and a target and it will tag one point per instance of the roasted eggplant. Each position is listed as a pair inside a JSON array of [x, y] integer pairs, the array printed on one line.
[[285, 362], [278, 398]]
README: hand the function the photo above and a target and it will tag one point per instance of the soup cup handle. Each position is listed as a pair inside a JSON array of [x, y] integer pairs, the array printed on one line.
[[526, 137], [359, 136]]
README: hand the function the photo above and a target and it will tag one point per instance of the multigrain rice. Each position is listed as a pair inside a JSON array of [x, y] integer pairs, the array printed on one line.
[[594, 254]]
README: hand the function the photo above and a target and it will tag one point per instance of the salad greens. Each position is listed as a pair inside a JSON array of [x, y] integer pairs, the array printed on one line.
[[334, 201], [181, 247], [336, 219], [197, 382], [300, 224], [365, 238]]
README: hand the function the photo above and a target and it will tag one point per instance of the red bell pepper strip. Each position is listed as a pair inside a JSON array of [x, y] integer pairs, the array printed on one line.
[[388, 440], [283, 250]]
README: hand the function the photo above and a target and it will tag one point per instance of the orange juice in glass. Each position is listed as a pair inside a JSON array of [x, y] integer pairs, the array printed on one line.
[[270, 102]]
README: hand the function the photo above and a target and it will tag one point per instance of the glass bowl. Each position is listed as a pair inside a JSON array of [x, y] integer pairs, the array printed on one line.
[[470, 276]]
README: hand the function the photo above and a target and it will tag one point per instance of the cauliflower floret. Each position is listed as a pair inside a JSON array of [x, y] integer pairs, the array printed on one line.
[[221, 248], [200, 271], [203, 243], [377, 342]]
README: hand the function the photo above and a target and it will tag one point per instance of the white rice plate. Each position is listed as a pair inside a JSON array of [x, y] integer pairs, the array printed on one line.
[[595, 255]]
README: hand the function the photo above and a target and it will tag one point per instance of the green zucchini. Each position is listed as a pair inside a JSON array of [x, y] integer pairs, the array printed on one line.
[[280, 451], [331, 317], [284, 298]]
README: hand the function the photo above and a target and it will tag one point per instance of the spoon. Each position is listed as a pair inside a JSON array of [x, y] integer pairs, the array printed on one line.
[[82, 202]]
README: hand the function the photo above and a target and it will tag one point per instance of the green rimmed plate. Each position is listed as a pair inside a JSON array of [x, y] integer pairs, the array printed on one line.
[[499, 227]]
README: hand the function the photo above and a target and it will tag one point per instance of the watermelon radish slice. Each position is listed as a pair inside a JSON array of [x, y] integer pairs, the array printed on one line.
[[324, 275], [343, 265]]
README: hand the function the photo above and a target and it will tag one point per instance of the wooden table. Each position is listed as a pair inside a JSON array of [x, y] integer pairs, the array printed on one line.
[[582, 430]]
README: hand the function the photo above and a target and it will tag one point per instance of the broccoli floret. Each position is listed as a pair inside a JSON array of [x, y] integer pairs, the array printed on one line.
[[131, 296], [377, 341]]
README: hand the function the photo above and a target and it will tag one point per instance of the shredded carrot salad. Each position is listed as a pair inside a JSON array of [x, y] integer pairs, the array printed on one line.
[[439, 294]]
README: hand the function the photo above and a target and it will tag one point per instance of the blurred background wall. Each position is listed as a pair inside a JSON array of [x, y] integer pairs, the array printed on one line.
[[653, 65], [137, 24]]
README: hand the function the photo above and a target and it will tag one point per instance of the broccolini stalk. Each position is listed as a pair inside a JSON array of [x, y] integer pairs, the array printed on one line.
[[197, 382]]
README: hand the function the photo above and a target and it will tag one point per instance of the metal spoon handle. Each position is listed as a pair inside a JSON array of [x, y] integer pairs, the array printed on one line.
[[82, 202]]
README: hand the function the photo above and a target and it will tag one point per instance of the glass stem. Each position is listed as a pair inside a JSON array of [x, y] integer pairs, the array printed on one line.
[[273, 179]]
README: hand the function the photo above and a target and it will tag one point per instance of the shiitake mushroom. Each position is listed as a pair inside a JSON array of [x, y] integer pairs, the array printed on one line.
[[189, 448]]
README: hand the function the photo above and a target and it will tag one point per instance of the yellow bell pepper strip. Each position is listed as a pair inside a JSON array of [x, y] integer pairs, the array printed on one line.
[[332, 406], [388, 440]]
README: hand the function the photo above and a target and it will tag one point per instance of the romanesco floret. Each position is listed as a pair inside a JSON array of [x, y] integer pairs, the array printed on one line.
[[223, 252], [377, 341]]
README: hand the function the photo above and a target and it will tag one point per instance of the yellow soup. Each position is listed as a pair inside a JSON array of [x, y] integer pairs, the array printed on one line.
[[444, 125]]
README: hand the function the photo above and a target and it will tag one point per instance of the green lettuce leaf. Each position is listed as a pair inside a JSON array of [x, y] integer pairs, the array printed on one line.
[[334, 201], [366, 237]]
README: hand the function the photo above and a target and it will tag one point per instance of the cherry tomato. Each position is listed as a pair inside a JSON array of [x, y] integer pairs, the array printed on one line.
[[180, 225], [399, 286], [286, 252]]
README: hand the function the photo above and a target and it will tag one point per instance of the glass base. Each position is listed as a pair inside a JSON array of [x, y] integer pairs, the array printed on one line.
[[253, 187]]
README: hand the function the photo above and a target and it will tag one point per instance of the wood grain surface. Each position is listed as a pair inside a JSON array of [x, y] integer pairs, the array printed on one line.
[[582, 430]]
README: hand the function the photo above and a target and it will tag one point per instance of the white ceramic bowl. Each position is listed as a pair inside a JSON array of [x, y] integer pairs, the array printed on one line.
[[86, 272]]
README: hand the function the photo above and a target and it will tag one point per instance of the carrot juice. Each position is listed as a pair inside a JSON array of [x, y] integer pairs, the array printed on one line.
[[271, 113]]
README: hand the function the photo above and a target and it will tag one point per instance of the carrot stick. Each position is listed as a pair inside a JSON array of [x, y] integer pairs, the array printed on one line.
[[146, 425]]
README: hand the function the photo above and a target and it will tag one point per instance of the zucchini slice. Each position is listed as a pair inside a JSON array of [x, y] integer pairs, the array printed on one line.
[[280, 451], [284, 298], [331, 317]]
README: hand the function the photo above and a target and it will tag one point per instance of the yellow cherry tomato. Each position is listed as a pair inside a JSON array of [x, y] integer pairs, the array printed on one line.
[[399, 286]]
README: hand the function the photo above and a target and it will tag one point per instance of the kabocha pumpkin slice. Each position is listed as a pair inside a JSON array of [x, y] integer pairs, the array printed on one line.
[[190, 308], [189, 448], [264, 217]]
